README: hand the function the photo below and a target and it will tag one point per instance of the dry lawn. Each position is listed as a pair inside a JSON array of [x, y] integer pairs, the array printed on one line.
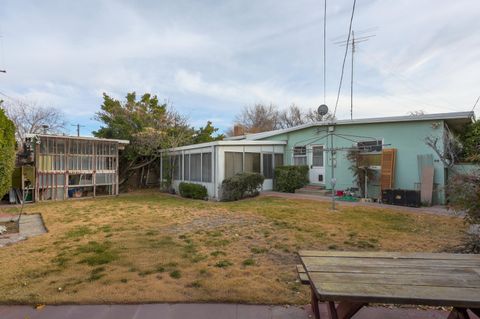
[[149, 247]]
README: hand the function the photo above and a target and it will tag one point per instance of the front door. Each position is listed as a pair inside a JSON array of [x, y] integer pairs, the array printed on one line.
[[316, 162]]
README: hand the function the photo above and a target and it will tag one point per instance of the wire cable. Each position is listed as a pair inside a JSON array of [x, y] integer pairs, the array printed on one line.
[[475, 105], [345, 57]]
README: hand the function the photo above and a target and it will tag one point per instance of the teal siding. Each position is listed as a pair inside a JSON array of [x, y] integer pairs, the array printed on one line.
[[407, 137]]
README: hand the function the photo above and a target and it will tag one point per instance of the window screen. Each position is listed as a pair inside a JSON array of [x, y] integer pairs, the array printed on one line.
[[196, 167], [317, 156], [233, 163], [278, 160], [206, 167], [268, 165], [186, 167], [177, 167], [252, 162], [300, 155]]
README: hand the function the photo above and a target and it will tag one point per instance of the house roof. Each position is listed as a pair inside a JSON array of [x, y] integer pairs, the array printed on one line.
[[454, 118], [87, 138], [227, 143]]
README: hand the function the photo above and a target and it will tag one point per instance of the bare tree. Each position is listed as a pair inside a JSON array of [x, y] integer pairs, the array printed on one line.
[[30, 118], [290, 117], [449, 149], [416, 113], [258, 118]]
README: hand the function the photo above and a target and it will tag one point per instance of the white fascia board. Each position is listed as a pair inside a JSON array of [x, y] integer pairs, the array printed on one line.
[[86, 138], [225, 143]]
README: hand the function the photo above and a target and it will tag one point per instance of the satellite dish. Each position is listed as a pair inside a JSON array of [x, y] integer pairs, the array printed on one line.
[[322, 110]]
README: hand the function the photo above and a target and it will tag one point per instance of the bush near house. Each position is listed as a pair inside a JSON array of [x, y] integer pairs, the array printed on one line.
[[191, 190], [289, 178], [241, 185], [7, 152]]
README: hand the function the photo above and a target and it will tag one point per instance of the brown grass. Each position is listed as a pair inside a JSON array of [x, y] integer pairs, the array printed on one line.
[[149, 247]]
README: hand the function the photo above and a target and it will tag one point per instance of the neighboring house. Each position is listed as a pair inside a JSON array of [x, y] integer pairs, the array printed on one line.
[[62, 167], [311, 145]]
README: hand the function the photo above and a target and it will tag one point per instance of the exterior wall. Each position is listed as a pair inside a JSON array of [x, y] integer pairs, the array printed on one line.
[[272, 149], [407, 137], [218, 164], [467, 168]]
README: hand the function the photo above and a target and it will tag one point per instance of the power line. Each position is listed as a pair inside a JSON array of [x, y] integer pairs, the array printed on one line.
[[345, 57], [474, 106]]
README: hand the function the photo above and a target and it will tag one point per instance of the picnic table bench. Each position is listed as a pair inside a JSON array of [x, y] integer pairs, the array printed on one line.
[[355, 279]]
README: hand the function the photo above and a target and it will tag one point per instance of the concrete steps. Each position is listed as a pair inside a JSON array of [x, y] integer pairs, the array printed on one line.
[[313, 190]]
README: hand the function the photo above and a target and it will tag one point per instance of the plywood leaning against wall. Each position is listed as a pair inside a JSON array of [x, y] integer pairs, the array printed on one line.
[[388, 168]]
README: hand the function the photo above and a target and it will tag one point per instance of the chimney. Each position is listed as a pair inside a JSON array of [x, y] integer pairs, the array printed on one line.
[[238, 130]]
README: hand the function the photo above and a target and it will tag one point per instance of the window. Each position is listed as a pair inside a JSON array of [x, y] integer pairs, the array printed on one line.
[[186, 167], [370, 146], [233, 163], [207, 167], [268, 165], [252, 162], [196, 167], [317, 156], [177, 167], [300, 155], [278, 160]]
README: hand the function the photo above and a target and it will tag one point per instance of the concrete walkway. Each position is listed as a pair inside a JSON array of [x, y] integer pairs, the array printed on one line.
[[435, 210], [201, 311], [30, 225]]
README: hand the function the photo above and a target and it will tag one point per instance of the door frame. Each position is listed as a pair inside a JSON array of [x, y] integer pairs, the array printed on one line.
[[315, 170]]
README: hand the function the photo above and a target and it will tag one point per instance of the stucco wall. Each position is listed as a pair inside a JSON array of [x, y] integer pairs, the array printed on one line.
[[407, 137]]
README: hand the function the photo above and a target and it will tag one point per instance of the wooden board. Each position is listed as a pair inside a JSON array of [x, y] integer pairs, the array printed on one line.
[[426, 188], [302, 275], [388, 168], [400, 278]]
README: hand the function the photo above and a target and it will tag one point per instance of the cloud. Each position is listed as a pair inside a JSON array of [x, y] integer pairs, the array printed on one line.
[[211, 58]]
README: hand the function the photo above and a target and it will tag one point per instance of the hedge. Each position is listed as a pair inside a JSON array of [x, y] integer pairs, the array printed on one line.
[[240, 186], [191, 190], [289, 178], [7, 153]]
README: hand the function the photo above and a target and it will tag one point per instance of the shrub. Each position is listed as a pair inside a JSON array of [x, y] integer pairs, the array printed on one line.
[[7, 152], [191, 190], [241, 185], [290, 178]]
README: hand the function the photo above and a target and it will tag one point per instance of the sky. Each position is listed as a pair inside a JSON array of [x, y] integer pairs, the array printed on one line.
[[209, 59]]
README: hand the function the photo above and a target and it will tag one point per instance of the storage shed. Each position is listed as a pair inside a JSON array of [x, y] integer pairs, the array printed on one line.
[[71, 167]]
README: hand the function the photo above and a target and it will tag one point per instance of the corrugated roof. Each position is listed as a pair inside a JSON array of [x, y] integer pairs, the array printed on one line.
[[467, 116]]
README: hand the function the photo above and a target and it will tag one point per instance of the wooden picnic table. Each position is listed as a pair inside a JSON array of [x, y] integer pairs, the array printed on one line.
[[355, 279]]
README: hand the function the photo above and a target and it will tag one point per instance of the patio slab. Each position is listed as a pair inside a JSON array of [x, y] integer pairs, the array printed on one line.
[[200, 311], [30, 225]]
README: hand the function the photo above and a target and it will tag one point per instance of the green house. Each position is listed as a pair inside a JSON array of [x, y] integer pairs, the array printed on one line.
[[327, 148]]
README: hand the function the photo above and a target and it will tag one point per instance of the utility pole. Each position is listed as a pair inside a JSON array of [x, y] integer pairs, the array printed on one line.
[[78, 128], [353, 43], [351, 77]]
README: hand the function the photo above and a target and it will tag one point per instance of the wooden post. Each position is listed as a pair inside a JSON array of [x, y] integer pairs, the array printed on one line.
[[116, 170], [37, 174], [94, 168]]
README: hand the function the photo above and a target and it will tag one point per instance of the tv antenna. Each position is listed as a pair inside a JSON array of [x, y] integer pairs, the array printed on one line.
[[78, 128], [352, 43]]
